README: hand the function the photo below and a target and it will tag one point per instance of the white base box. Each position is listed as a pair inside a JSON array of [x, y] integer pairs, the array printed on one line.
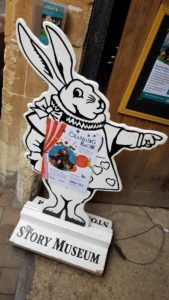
[[82, 247]]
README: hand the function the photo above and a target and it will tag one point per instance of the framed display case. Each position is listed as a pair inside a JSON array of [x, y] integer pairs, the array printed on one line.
[[147, 94]]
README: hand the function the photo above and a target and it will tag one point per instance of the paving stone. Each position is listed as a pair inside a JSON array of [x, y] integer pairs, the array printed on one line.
[[5, 233], [6, 297], [8, 281], [10, 256], [10, 216], [6, 198]]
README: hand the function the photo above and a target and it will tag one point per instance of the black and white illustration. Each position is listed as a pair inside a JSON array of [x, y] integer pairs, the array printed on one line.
[[76, 101]]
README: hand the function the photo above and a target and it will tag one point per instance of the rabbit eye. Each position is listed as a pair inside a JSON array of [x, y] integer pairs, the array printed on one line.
[[77, 93]]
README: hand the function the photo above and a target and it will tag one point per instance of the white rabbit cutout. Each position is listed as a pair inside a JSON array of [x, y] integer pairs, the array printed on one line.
[[76, 101]]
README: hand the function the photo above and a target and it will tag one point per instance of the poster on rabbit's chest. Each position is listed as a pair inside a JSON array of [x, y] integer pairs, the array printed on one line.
[[69, 155]]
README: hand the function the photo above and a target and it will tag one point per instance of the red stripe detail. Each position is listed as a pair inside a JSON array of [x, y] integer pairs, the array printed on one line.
[[54, 125], [60, 132], [53, 140]]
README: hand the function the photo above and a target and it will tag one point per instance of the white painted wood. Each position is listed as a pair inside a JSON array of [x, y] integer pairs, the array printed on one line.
[[95, 221], [59, 227], [83, 247], [75, 101]]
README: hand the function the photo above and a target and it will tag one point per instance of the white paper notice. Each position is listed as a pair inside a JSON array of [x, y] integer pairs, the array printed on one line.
[[71, 158], [158, 81]]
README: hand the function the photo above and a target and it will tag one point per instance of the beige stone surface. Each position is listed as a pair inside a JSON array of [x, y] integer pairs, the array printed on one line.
[[8, 281], [11, 216], [14, 107], [78, 53], [122, 280], [14, 75], [27, 181], [34, 85], [77, 23], [11, 125]]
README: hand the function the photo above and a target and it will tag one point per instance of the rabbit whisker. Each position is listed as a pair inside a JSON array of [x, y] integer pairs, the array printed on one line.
[[89, 101], [91, 97]]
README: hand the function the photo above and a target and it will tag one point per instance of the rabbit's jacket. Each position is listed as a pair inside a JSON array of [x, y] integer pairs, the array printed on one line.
[[105, 175]]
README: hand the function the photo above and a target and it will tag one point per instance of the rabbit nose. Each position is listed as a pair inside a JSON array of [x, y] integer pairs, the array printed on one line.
[[101, 103]]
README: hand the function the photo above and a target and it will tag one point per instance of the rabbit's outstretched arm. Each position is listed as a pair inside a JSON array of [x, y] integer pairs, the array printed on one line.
[[140, 139], [132, 138]]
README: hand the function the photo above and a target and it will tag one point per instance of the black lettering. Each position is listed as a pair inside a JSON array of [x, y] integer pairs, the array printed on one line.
[[68, 248], [106, 224], [85, 255], [48, 239], [73, 253], [33, 237], [99, 223], [40, 239], [29, 231], [80, 252], [71, 134], [95, 258], [59, 245], [93, 220], [40, 202], [21, 231]]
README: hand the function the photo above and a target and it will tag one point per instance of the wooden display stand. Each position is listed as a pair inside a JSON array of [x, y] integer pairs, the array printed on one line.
[[83, 247]]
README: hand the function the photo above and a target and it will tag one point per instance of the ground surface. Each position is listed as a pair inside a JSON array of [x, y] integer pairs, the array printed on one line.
[[10, 257], [122, 280], [27, 276]]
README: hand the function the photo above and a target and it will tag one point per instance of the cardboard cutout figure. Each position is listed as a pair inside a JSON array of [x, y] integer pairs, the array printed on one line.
[[75, 101], [69, 118]]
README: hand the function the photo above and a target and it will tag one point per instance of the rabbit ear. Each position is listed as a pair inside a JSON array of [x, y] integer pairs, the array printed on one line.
[[37, 55], [63, 52]]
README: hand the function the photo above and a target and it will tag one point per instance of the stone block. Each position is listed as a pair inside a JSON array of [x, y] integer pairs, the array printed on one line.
[[78, 52], [14, 74], [23, 9], [9, 12], [9, 161], [85, 4], [10, 257], [76, 25], [14, 106], [5, 233], [8, 281], [10, 138], [35, 85], [27, 181], [10, 216], [6, 198], [6, 297], [17, 9], [7, 178]]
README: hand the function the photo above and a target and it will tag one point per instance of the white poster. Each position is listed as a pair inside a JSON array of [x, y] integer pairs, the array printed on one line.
[[69, 155], [157, 85]]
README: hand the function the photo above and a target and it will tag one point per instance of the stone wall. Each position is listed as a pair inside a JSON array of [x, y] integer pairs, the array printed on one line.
[[21, 85]]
